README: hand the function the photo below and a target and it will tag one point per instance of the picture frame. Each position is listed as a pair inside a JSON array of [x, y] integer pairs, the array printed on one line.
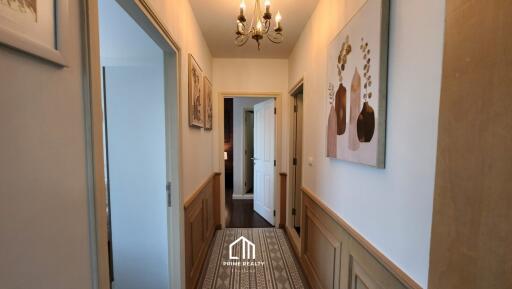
[[36, 27], [208, 104], [357, 65], [195, 93]]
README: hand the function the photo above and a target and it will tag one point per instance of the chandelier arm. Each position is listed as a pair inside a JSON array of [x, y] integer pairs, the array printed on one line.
[[256, 13], [267, 27], [251, 27], [243, 38], [275, 38], [244, 32], [274, 41]]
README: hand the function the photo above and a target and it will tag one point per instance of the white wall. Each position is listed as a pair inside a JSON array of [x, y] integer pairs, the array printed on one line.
[[392, 208], [44, 239], [197, 144], [240, 104], [137, 174]]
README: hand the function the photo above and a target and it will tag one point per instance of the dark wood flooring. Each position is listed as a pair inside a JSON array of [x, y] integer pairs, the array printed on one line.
[[241, 214]]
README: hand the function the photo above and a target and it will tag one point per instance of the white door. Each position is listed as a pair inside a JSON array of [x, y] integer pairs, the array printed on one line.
[[264, 166]]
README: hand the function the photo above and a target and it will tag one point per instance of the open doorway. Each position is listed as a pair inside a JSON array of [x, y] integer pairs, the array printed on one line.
[[249, 161], [139, 104]]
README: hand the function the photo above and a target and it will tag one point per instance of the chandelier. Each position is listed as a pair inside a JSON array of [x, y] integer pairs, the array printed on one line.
[[260, 25]]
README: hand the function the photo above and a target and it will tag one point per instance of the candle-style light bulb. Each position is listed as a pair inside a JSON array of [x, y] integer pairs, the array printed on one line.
[[267, 4], [278, 20], [259, 26], [241, 17], [278, 17]]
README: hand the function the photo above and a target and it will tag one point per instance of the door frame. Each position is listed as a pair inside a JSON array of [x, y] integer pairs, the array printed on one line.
[[277, 147], [146, 17], [245, 161], [294, 237]]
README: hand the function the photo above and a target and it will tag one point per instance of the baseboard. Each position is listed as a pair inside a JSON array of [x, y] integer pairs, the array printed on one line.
[[294, 240]]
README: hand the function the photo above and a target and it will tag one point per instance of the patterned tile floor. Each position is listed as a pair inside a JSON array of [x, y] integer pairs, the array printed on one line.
[[273, 267]]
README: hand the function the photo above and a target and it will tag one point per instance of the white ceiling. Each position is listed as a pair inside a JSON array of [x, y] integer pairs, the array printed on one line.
[[217, 19]]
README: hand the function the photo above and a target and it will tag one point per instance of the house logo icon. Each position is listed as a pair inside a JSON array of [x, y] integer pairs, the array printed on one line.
[[248, 249]]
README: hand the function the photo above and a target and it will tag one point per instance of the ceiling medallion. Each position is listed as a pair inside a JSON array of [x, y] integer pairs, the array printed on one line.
[[259, 26]]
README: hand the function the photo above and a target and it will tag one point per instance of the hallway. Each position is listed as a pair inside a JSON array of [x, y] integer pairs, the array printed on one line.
[[274, 265], [274, 144]]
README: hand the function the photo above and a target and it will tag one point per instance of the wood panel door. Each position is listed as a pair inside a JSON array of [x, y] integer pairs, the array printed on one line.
[[296, 173], [264, 159]]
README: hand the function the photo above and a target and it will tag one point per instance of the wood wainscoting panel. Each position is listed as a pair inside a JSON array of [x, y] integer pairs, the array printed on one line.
[[321, 253], [358, 277], [216, 200], [200, 223], [335, 256], [368, 270], [195, 224], [282, 200]]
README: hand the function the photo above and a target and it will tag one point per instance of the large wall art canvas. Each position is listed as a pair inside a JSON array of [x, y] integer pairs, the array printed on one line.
[[357, 87]]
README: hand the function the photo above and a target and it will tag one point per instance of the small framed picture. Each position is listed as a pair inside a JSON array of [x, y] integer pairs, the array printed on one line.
[[195, 93], [37, 27], [208, 106]]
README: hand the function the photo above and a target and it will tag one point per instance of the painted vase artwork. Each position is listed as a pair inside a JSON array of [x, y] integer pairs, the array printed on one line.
[[356, 106], [341, 94], [331, 131], [332, 125], [366, 123], [366, 119], [341, 109]]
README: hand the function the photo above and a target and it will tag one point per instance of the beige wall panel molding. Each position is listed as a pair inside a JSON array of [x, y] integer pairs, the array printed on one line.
[[335, 256]]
